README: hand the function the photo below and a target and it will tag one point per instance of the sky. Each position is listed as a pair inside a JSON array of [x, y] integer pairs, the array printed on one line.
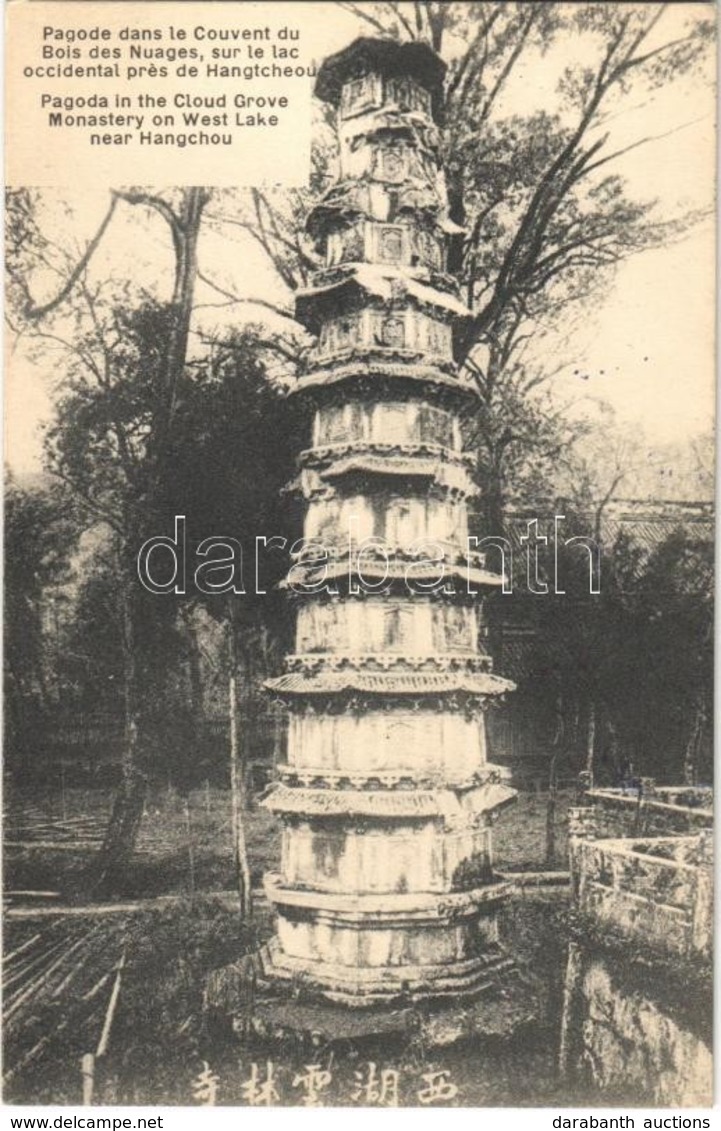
[[645, 346]]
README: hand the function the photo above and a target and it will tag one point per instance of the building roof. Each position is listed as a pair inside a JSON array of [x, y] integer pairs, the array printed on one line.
[[345, 202], [649, 522], [413, 684], [362, 803], [450, 476], [310, 576], [383, 370], [386, 283], [399, 777], [326, 454], [378, 907], [465, 661]]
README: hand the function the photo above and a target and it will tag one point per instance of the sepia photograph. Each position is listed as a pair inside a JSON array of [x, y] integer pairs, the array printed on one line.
[[359, 555]]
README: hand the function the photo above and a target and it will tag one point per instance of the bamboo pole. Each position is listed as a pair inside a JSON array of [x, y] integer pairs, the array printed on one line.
[[30, 893], [97, 987], [41, 980], [89, 1060], [44, 1041], [63, 798], [87, 1068], [191, 854], [31, 965], [54, 845], [21, 949], [569, 1051], [110, 1014], [83, 911]]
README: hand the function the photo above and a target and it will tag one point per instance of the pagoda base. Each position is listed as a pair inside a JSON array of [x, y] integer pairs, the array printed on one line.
[[488, 1000], [364, 987], [373, 949]]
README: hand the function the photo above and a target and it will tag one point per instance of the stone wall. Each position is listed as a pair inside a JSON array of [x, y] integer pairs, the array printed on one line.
[[638, 992], [626, 1045], [657, 892]]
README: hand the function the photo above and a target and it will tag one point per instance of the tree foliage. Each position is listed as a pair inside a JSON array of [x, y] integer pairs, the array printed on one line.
[[145, 428], [623, 679], [546, 215], [39, 535]]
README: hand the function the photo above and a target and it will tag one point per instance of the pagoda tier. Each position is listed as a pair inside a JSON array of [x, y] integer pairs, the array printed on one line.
[[386, 886], [371, 310]]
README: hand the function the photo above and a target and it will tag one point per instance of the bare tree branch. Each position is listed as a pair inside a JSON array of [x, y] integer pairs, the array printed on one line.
[[362, 12], [283, 312], [36, 312]]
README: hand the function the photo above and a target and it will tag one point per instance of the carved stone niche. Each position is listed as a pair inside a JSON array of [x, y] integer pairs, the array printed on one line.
[[390, 243], [391, 329], [400, 244], [410, 329], [428, 249], [391, 162], [361, 95], [341, 333], [407, 95], [403, 245]]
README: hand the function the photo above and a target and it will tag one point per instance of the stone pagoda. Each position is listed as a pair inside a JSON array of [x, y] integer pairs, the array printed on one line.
[[386, 889]]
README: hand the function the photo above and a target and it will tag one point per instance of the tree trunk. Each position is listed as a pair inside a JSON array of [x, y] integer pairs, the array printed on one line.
[[693, 745], [130, 799], [496, 603], [590, 742], [551, 811], [194, 671], [238, 799], [457, 213], [617, 763], [124, 826], [186, 231], [196, 740], [494, 519]]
